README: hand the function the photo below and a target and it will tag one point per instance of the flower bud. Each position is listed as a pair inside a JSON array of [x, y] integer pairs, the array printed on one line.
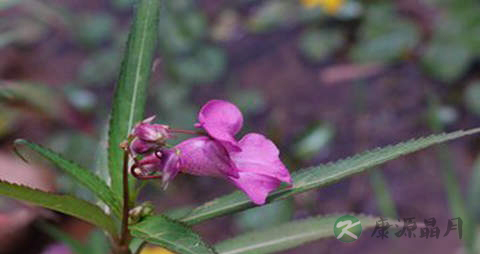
[[148, 137], [138, 146], [148, 132], [138, 213]]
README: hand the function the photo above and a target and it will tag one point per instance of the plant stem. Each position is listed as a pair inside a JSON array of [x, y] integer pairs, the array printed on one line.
[[125, 236]]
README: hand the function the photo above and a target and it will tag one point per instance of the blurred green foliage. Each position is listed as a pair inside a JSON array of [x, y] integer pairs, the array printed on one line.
[[265, 216], [383, 196], [317, 44], [92, 29], [272, 14], [384, 35], [456, 40], [471, 97], [313, 140], [186, 52]]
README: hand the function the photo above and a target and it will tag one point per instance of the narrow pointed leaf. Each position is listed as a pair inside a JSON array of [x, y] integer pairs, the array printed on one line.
[[322, 175], [472, 208], [455, 199], [383, 197], [170, 234], [287, 235], [37, 97], [130, 94], [61, 203], [81, 175], [136, 244]]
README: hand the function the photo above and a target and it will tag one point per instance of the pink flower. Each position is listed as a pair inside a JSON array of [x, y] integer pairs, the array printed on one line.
[[252, 164]]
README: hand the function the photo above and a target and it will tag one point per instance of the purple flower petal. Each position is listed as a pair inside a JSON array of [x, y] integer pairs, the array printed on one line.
[[170, 164], [150, 163], [204, 156], [260, 168], [138, 146], [222, 120], [256, 169], [256, 186], [260, 155]]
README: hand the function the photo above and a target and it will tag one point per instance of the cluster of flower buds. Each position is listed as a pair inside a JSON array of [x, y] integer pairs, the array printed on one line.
[[252, 163], [148, 149], [147, 136]]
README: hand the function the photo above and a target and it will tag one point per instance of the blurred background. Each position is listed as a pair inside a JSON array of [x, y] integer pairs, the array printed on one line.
[[324, 79]]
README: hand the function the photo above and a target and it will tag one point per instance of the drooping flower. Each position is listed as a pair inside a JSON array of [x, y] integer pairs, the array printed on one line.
[[256, 169], [205, 156], [252, 163]]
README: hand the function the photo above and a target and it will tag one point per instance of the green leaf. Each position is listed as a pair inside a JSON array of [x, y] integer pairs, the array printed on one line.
[[383, 197], [265, 216], [452, 186], [446, 61], [473, 209], [170, 234], [313, 140], [130, 94], [93, 28], [448, 55], [98, 242], [99, 68], [182, 28], [286, 236], [203, 66], [381, 41], [456, 202], [474, 191], [316, 44], [471, 95], [122, 4], [38, 97], [322, 175], [136, 245], [8, 4], [81, 175], [61, 203], [271, 15]]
